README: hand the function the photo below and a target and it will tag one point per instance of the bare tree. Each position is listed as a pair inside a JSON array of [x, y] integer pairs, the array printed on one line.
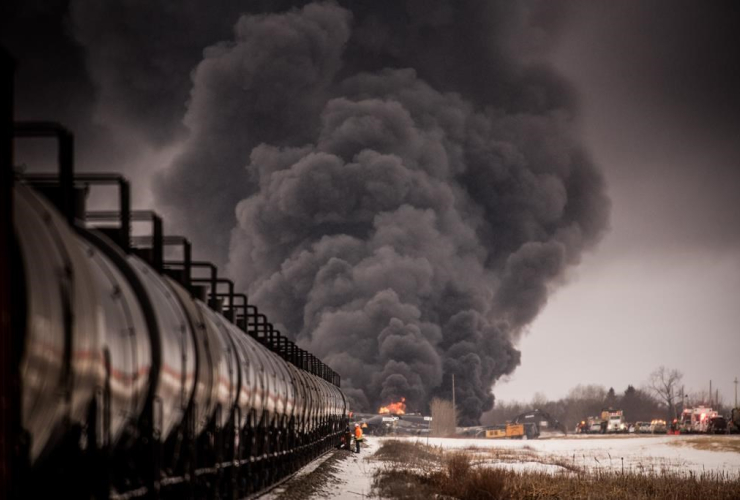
[[587, 392], [539, 400], [664, 384]]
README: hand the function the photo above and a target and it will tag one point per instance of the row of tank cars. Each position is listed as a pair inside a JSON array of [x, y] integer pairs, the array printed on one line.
[[134, 377]]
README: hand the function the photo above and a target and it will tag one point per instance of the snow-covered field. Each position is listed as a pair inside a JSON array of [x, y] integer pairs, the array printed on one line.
[[649, 454], [640, 453]]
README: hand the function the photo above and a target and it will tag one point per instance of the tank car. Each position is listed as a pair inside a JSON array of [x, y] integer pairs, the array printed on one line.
[[135, 379]]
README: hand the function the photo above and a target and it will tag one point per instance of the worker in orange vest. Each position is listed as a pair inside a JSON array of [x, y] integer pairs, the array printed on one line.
[[358, 437]]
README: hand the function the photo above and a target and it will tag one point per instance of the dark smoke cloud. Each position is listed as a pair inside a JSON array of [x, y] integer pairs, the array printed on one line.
[[396, 183], [472, 47], [52, 80], [267, 85], [417, 236], [141, 54], [116, 73]]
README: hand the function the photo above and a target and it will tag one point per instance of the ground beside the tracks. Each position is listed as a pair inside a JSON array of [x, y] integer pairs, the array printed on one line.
[[338, 475], [345, 475]]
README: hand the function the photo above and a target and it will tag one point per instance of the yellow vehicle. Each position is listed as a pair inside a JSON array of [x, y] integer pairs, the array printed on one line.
[[514, 431], [495, 433], [511, 431]]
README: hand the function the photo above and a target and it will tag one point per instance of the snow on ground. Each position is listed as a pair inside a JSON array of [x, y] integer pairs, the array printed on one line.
[[641, 454], [529, 467], [355, 476], [354, 473]]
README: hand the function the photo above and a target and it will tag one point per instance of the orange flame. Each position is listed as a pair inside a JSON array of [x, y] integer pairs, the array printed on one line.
[[398, 408]]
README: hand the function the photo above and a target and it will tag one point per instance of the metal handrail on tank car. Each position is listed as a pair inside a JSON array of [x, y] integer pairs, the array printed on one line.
[[239, 321], [133, 243], [214, 296], [123, 215], [65, 156], [265, 333]]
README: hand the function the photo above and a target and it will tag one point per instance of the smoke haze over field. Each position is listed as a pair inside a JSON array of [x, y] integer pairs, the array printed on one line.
[[397, 184]]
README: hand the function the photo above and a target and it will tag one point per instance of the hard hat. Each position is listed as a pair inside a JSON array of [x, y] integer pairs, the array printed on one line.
[[357, 425]]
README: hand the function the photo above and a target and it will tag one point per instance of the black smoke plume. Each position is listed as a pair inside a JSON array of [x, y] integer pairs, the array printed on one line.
[[420, 230], [396, 183]]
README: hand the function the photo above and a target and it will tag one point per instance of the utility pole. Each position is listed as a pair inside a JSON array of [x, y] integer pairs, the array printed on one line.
[[735, 392], [710, 392], [454, 408]]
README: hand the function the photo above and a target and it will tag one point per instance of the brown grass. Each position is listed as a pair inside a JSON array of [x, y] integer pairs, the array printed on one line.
[[458, 465], [409, 454], [711, 443], [458, 479], [402, 484], [518, 455], [614, 485], [460, 474], [461, 479]]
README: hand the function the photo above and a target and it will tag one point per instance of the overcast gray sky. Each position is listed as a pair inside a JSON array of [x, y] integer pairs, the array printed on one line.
[[658, 84]]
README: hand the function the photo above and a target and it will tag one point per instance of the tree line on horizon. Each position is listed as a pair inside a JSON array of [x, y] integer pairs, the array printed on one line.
[[663, 397]]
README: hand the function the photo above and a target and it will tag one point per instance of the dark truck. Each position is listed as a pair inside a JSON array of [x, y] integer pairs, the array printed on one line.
[[717, 425]]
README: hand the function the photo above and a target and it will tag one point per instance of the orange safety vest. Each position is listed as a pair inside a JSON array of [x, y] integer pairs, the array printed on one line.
[[358, 434]]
